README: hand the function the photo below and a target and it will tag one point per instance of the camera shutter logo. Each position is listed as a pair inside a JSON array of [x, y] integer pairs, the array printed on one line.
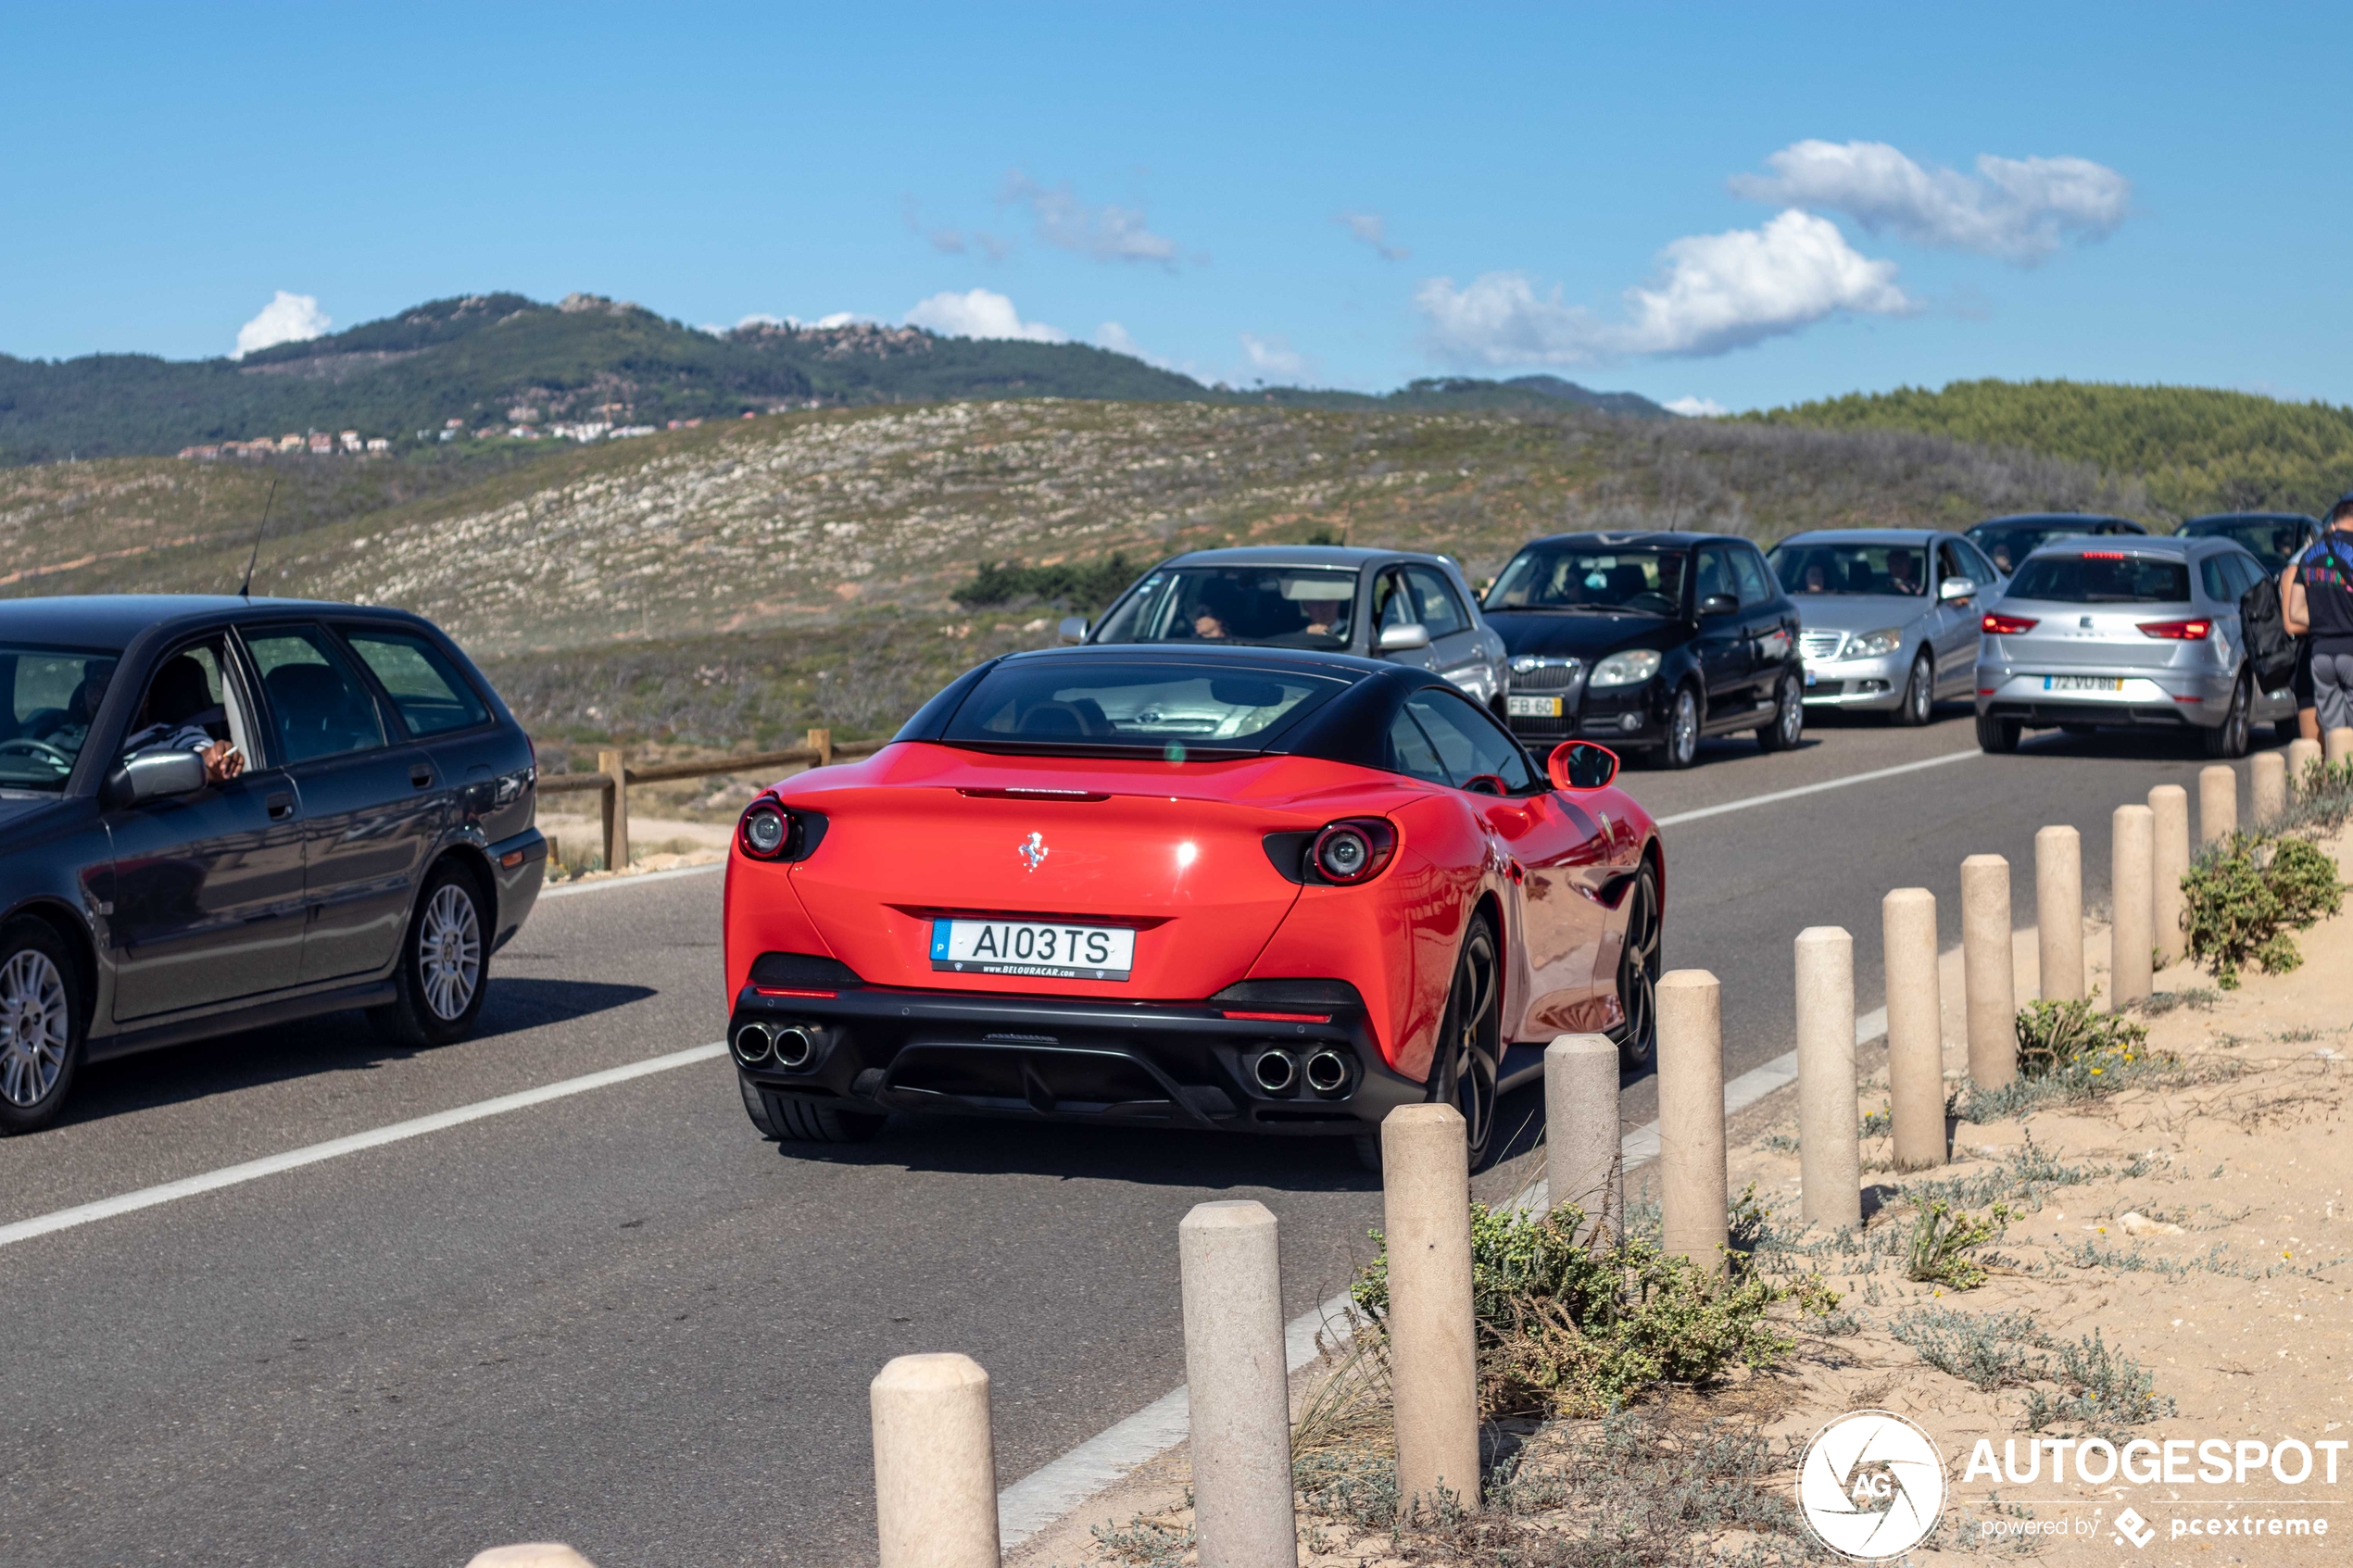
[[1872, 1484]]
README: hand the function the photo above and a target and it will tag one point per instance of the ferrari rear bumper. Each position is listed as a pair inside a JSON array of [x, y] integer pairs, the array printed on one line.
[[1170, 1064]]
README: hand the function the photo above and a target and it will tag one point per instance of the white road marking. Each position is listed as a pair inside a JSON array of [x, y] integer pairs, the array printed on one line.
[[335, 1149], [566, 889], [1781, 794], [1045, 1496]]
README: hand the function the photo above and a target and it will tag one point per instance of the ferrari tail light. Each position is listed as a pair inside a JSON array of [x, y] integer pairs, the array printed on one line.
[[2177, 630], [1352, 851], [2006, 625], [770, 831]]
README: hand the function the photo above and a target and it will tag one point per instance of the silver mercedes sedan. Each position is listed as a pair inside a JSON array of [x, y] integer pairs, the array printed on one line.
[[1889, 616], [2129, 632]]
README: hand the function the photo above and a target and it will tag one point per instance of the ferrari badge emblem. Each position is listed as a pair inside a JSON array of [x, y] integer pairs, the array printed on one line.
[[1033, 849]]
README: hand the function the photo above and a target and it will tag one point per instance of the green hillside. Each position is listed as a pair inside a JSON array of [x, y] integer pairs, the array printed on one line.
[[481, 358], [2197, 450]]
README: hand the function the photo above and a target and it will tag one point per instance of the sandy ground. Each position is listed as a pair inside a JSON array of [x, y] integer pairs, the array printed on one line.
[[2200, 1230]]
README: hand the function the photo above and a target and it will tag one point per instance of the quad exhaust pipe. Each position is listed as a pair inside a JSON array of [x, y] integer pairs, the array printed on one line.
[[789, 1044], [1328, 1072], [1277, 1072]]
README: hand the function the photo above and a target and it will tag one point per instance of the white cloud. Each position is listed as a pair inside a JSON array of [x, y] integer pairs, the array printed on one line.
[[288, 318], [979, 313], [1696, 407], [1273, 356], [1372, 229], [1119, 340], [1715, 292], [2019, 209], [1106, 234]]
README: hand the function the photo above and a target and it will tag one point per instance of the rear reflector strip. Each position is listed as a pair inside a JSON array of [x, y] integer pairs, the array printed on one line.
[[2189, 699], [1014, 792], [782, 991], [1284, 1017]]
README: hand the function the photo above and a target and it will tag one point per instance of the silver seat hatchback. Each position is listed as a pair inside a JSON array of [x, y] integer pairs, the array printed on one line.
[[2128, 633]]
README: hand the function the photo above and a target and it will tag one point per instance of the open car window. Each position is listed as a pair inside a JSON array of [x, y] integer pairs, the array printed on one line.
[[190, 705], [1160, 707]]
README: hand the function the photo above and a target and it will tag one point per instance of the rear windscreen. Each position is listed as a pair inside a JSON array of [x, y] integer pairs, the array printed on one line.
[[1099, 704], [2101, 578]]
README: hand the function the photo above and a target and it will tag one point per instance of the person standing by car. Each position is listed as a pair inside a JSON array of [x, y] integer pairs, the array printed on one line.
[[2319, 602]]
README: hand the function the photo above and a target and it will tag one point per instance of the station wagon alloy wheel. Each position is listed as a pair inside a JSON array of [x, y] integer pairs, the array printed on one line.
[[36, 1029], [449, 952]]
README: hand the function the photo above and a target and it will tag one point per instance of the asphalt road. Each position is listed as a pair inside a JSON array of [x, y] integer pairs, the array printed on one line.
[[622, 1320]]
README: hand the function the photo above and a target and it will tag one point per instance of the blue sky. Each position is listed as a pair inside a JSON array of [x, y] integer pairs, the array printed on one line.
[[1345, 197]]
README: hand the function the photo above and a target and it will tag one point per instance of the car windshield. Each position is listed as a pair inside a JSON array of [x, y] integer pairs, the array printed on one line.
[[53, 695], [1275, 605], [1606, 582], [2271, 540], [1162, 706], [1849, 568], [2011, 543], [2103, 577]]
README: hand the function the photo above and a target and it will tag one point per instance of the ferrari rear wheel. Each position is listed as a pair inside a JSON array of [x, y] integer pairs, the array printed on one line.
[[1638, 974], [1470, 1049]]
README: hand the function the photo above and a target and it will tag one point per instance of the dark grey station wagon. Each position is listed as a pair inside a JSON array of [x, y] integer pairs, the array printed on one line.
[[222, 812]]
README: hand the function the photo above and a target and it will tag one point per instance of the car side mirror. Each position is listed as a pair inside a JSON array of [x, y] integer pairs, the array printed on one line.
[[1074, 628], [1957, 588], [1579, 764], [153, 778], [1405, 639], [1718, 604]]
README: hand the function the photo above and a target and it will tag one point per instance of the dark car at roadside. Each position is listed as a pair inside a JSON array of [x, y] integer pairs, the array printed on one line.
[[2009, 540], [2273, 538], [218, 813], [1646, 641]]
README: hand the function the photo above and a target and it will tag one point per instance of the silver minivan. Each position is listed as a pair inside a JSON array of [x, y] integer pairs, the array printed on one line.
[[2128, 631]]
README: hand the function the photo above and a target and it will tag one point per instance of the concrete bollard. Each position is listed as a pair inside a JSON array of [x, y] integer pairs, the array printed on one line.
[[1695, 1189], [2218, 803], [2131, 867], [2301, 755], [1238, 1387], [1581, 1138], [1989, 975], [2169, 805], [1915, 1030], [2338, 746], [935, 1467], [2058, 911], [529, 1554], [1433, 1348], [614, 765], [1830, 1155], [2267, 787]]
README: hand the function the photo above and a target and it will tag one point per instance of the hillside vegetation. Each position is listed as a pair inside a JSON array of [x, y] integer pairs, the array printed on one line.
[[2194, 449], [491, 360]]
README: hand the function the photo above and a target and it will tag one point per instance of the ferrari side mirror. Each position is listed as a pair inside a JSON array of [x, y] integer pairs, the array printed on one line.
[[1579, 764]]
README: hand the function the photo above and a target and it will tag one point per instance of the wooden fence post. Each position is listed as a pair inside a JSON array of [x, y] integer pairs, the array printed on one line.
[[614, 765], [822, 742]]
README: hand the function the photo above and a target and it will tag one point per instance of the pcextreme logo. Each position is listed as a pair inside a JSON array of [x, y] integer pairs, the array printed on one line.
[[1870, 1485]]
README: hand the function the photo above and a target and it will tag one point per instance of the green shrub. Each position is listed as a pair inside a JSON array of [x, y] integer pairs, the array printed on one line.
[[2246, 894], [1081, 584], [1575, 1330], [1944, 1244], [2056, 1038]]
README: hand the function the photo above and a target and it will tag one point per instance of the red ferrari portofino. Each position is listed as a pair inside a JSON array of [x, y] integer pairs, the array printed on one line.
[[1237, 888]]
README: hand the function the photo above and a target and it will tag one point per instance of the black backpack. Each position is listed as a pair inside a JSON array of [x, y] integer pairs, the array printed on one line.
[[2268, 647]]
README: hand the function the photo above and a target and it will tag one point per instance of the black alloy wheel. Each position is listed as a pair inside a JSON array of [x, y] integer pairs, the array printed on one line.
[[1638, 974], [1919, 692], [2229, 738], [1471, 1048], [1788, 725], [1682, 729], [1999, 736]]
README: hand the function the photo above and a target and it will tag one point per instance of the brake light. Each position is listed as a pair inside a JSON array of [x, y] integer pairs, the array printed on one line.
[[2006, 625], [2177, 630], [790, 991], [2103, 555], [1282, 1017], [1352, 851]]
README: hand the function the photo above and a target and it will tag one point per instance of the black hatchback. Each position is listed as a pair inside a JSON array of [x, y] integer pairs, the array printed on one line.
[[222, 812], [1646, 642]]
